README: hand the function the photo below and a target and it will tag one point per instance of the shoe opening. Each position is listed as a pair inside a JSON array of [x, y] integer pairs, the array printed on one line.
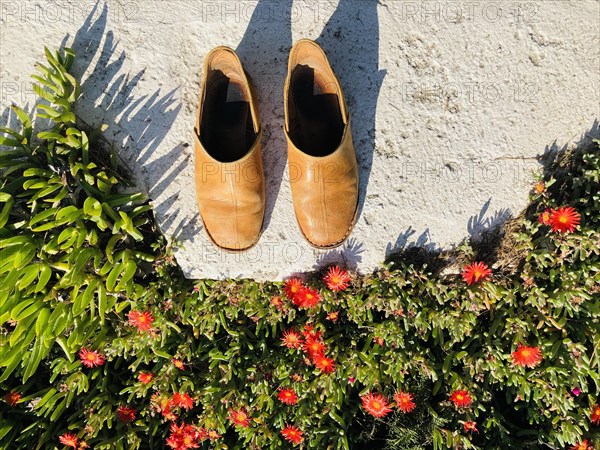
[[315, 120], [226, 127]]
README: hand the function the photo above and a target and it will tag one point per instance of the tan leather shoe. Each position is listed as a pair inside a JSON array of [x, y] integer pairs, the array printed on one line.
[[321, 156], [230, 186]]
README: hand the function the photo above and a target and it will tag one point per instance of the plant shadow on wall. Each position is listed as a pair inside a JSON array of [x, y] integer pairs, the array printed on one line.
[[263, 51], [351, 40], [137, 123]]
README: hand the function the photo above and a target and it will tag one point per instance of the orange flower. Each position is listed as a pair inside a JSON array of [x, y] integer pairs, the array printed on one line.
[[314, 346], [183, 400], [595, 415], [476, 272], [292, 434], [461, 399], [292, 287], [213, 435], [183, 437], [470, 426], [324, 364], [12, 398], [91, 358], [309, 331], [526, 356], [376, 405], [239, 417], [291, 339], [125, 414], [68, 439], [564, 219], [277, 302], [539, 187], [179, 364], [337, 279], [287, 396], [145, 377], [333, 316], [142, 320], [585, 445], [307, 298], [404, 401], [544, 217]]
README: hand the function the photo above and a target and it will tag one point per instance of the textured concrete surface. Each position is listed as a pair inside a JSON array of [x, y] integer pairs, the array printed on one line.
[[451, 102]]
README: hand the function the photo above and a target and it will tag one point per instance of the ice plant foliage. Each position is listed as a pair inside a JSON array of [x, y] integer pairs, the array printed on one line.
[[564, 219], [292, 434], [91, 358], [476, 272], [376, 405], [141, 320], [337, 279], [527, 356], [404, 401], [461, 399]]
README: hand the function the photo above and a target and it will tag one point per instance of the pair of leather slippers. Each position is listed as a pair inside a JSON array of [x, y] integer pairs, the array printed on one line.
[[230, 186]]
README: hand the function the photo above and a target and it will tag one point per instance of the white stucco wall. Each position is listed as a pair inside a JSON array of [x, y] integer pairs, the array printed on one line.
[[451, 102]]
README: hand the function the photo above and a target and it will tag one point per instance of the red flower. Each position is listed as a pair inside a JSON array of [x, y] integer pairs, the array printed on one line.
[[68, 439], [183, 400], [461, 399], [564, 219], [314, 346], [287, 396], [585, 445], [476, 272], [277, 302], [291, 339], [164, 405], [125, 414], [595, 415], [307, 298], [544, 217], [337, 279], [183, 437], [309, 332], [526, 356], [145, 377], [324, 364], [179, 364], [404, 401], [470, 426], [292, 434], [91, 358], [12, 398], [141, 320], [239, 417], [376, 405], [292, 287]]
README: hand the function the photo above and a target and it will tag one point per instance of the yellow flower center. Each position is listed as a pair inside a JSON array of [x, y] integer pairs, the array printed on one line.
[[460, 397], [525, 353], [563, 219], [376, 404]]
